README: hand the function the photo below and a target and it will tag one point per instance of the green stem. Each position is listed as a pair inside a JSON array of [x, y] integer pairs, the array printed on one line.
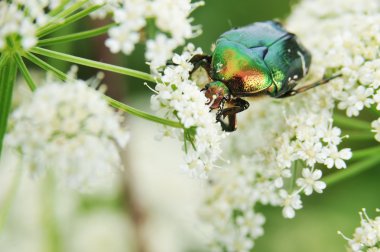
[[359, 154], [45, 66], [94, 64], [25, 72], [112, 102], [141, 114], [59, 8], [9, 198], [352, 170], [54, 243], [63, 14], [350, 122], [7, 79], [76, 36], [69, 20], [361, 136], [3, 59]]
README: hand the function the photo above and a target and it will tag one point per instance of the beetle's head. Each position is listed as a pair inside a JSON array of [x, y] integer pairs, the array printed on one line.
[[215, 92]]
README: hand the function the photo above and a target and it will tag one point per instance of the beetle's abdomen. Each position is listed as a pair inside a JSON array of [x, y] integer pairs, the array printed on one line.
[[241, 68]]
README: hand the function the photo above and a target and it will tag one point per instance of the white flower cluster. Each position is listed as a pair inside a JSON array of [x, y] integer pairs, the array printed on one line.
[[273, 160], [69, 129], [367, 236], [180, 99], [282, 145], [21, 21], [351, 36], [159, 18], [22, 18]]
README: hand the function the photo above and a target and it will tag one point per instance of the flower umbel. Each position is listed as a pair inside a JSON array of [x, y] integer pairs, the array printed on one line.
[[179, 98], [164, 24], [367, 236], [69, 129]]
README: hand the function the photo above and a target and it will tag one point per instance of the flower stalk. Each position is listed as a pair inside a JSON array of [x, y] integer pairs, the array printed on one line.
[[141, 114], [25, 72], [94, 64], [75, 36], [56, 26], [9, 198], [8, 73]]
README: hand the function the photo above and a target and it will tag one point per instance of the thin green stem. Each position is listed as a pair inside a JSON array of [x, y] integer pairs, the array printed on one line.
[[61, 15], [9, 198], [76, 36], [94, 64], [7, 79], [353, 170], [67, 21], [45, 66], [24, 70], [3, 59], [350, 122], [359, 154], [59, 8], [112, 102], [141, 114]]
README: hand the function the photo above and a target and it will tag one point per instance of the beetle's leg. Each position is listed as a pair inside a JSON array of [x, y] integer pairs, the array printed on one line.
[[293, 92], [235, 106], [201, 60]]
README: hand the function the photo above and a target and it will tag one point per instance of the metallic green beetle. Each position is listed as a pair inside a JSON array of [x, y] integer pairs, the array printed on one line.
[[260, 59]]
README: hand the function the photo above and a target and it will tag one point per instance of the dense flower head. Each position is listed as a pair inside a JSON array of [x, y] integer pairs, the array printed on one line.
[[350, 47], [164, 24], [21, 19], [367, 236], [282, 146], [69, 129], [178, 98], [15, 21]]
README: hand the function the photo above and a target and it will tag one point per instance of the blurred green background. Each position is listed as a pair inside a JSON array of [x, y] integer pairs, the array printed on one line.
[[315, 227]]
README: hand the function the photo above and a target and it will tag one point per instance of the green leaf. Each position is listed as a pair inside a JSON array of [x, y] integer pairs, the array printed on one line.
[[7, 78]]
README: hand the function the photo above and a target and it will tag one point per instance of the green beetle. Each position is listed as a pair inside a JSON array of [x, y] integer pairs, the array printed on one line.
[[260, 59]]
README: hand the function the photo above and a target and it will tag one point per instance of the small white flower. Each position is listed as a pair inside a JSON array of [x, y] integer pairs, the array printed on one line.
[[159, 50], [376, 128], [312, 153], [360, 98], [251, 224], [332, 136], [310, 181], [336, 158], [290, 202]]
